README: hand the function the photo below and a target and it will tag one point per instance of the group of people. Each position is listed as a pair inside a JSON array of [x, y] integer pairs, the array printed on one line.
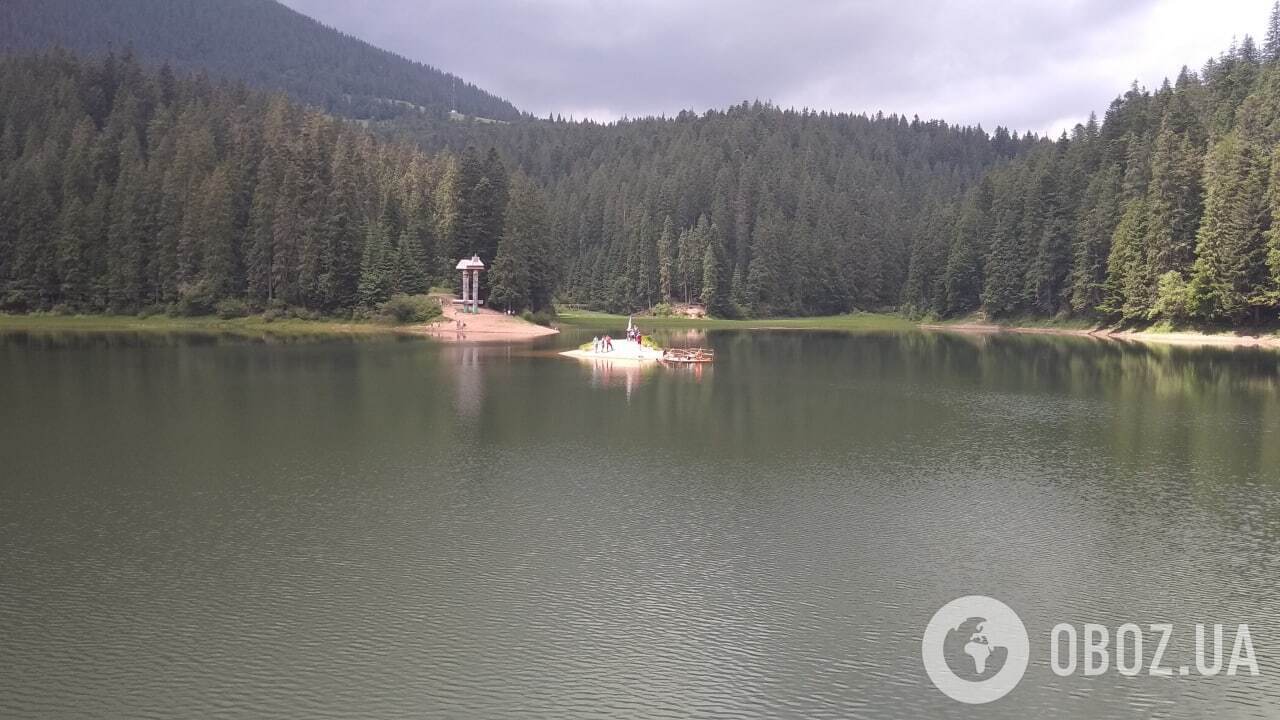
[[604, 344]]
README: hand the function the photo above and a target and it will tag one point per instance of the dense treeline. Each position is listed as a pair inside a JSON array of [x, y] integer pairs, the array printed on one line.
[[127, 191], [753, 210], [124, 190], [1163, 212], [260, 42]]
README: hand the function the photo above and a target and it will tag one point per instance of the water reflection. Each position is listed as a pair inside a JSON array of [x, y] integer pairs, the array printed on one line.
[[627, 374], [495, 531], [468, 378]]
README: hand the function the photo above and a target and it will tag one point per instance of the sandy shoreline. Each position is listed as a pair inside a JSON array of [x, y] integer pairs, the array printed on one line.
[[1164, 338], [484, 326]]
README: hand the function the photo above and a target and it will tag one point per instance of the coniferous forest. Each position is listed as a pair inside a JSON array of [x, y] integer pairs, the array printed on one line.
[[129, 191], [127, 188]]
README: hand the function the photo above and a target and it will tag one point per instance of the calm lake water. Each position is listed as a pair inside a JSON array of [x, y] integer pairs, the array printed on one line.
[[200, 527]]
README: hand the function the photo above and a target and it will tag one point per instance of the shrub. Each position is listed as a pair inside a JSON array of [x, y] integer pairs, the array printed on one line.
[[229, 308], [193, 300], [271, 315], [542, 317], [1171, 298], [410, 308], [662, 310]]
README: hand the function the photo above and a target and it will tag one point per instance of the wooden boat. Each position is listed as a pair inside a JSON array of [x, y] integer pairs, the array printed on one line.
[[688, 356]]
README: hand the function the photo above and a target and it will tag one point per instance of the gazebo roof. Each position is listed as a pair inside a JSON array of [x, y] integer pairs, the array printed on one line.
[[473, 263]]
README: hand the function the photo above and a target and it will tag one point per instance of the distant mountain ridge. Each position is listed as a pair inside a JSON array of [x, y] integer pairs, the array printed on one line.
[[261, 42]]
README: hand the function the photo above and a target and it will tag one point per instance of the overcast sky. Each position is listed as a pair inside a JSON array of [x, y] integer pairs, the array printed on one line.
[[1026, 64]]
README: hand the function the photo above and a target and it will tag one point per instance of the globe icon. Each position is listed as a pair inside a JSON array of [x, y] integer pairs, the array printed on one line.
[[971, 653], [975, 649]]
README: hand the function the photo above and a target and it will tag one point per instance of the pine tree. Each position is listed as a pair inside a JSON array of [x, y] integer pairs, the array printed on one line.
[[715, 288], [343, 232], [1125, 264], [770, 274], [1271, 48], [34, 280], [665, 243], [73, 248], [1047, 277], [1006, 263], [127, 235], [219, 235], [444, 201], [1228, 278], [1091, 248], [1174, 209], [523, 275], [377, 267], [411, 265], [962, 277], [312, 189]]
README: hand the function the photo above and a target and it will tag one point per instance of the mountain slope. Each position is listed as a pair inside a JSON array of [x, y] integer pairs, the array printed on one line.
[[259, 41]]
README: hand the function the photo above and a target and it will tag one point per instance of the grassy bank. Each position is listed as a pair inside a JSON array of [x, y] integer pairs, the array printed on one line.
[[1160, 332], [856, 321], [1268, 336], [1071, 324], [253, 326], [1092, 326]]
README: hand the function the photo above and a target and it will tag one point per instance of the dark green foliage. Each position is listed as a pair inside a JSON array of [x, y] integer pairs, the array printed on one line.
[[523, 275], [715, 285], [197, 197], [411, 265], [1271, 49], [121, 190], [410, 308], [842, 194], [229, 308], [378, 266]]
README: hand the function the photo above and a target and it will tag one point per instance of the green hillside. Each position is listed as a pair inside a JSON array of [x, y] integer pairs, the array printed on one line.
[[261, 42]]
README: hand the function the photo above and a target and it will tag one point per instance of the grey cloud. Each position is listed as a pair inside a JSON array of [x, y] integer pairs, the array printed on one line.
[[966, 62]]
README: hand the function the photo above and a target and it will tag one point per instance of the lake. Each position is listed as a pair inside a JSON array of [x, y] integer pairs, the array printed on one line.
[[193, 526]]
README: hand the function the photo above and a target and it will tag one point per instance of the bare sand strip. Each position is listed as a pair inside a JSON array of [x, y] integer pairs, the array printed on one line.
[[484, 326], [1164, 338], [624, 350]]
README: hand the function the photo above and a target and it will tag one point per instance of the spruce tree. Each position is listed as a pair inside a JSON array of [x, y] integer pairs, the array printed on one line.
[[1271, 47], [1091, 247], [411, 271], [715, 287], [343, 231], [665, 243], [1228, 276], [219, 234], [377, 267]]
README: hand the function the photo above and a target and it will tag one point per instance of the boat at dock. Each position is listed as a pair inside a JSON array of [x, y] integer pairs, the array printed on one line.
[[688, 356]]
